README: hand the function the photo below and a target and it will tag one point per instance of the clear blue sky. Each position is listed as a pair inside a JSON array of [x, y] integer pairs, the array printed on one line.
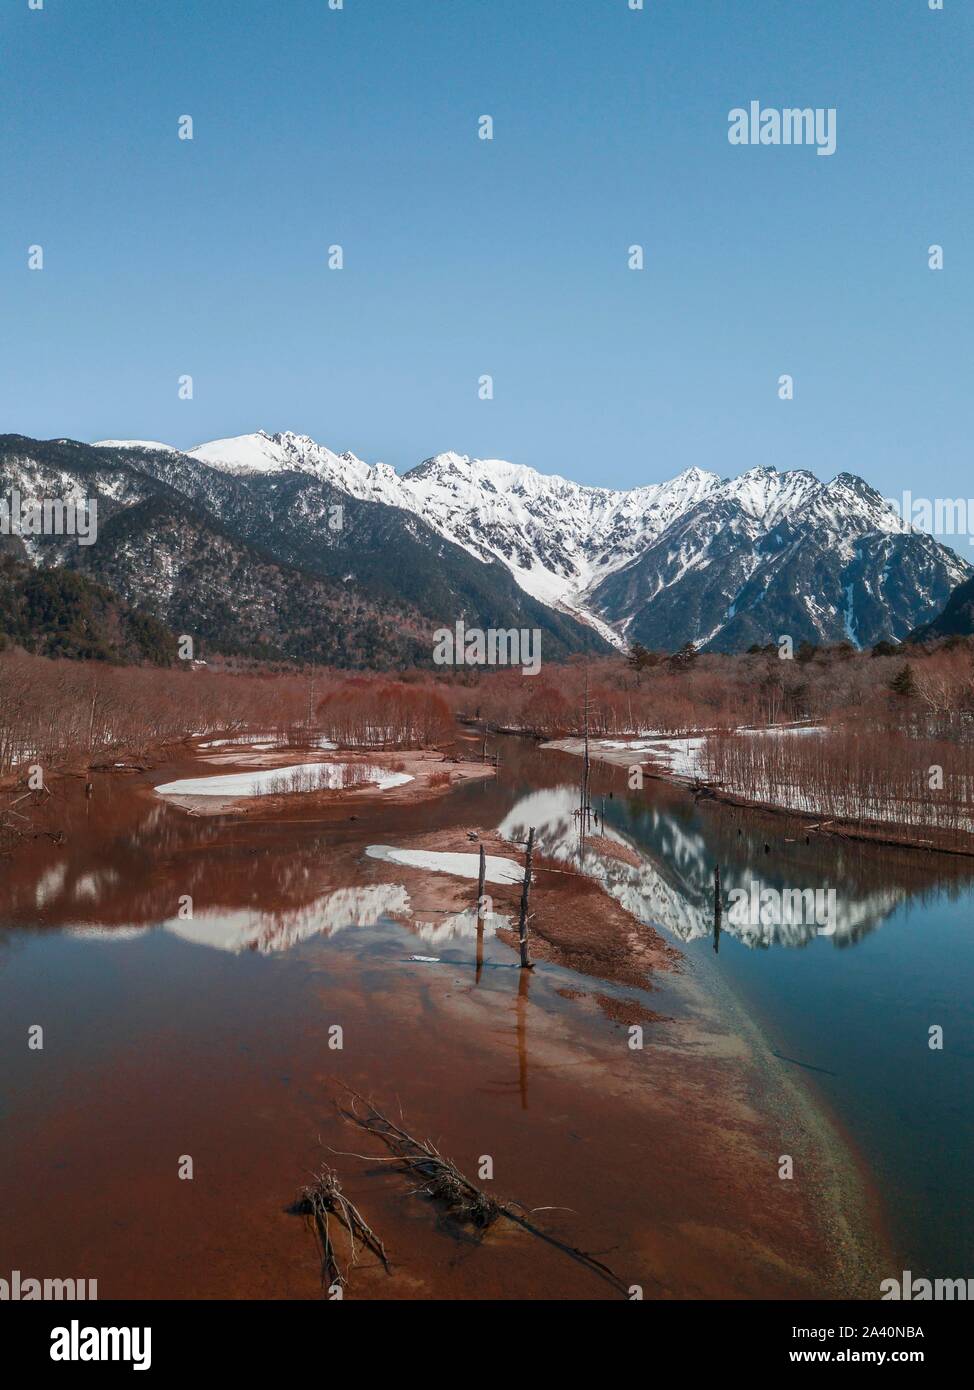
[[508, 257]]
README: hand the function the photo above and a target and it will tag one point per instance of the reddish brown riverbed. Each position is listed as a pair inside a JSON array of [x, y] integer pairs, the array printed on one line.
[[209, 1037]]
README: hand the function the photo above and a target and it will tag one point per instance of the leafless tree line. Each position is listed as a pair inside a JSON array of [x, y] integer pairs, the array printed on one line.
[[715, 692], [891, 719], [52, 711], [56, 711], [373, 712], [894, 777]]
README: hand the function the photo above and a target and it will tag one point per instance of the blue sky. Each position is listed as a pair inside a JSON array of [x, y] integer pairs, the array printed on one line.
[[508, 257]]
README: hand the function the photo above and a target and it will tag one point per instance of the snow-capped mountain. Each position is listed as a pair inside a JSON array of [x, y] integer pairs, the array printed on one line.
[[722, 562], [262, 453], [956, 619], [781, 553], [277, 563], [558, 538]]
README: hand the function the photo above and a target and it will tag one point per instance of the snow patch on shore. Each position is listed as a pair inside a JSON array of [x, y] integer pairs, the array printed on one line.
[[279, 780], [460, 865]]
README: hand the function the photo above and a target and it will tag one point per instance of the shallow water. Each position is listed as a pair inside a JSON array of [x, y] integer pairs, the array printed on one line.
[[166, 1034]]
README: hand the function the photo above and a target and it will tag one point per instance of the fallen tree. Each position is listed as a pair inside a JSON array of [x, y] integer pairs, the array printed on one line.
[[323, 1199], [440, 1180]]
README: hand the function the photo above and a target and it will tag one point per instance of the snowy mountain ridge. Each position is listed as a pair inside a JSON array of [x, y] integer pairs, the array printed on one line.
[[697, 553]]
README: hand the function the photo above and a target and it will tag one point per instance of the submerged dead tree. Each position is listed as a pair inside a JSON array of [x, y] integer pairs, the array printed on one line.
[[440, 1180], [522, 926], [586, 806], [481, 910], [481, 883], [323, 1199]]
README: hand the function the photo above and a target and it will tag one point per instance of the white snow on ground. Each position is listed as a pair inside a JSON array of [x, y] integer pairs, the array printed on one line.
[[786, 729], [262, 741], [684, 757], [321, 776], [634, 745], [886, 809], [237, 743], [460, 865], [681, 756]]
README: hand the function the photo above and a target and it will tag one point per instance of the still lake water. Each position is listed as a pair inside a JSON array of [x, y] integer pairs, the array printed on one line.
[[849, 1012]]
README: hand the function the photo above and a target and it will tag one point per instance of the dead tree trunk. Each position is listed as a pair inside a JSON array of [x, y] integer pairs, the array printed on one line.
[[481, 914], [718, 907], [311, 700], [587, 767], [522, 926]]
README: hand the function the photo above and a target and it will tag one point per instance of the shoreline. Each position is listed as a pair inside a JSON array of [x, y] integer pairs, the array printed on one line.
[[431, 774], [426, 774], [872, 832]]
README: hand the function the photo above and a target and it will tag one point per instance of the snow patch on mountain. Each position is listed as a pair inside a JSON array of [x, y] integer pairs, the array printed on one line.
[[151, 445], [297, 453]]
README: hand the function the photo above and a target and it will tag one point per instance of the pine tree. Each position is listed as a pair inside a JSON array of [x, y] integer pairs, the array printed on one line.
[[640, 658], [903, 683], [685, 657]]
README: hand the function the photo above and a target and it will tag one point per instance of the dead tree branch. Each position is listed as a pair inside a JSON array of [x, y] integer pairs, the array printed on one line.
[[441, 1181], [318, 1203]]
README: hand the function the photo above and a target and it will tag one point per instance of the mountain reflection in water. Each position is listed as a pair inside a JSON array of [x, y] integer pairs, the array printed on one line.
[[672, 885], [663, 876]]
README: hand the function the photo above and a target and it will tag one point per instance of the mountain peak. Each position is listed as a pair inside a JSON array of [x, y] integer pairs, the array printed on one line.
[[446, 462]]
